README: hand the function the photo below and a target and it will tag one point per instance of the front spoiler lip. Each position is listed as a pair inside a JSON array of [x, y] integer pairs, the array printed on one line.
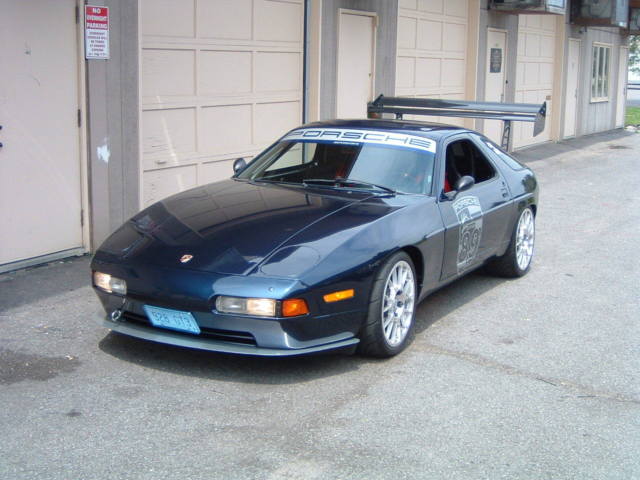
[[170, 338]]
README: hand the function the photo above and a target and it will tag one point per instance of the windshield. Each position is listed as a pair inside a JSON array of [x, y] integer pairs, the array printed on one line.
[[377, 160]]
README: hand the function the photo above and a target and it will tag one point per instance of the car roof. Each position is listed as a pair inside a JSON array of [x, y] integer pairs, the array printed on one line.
[[434, 131]]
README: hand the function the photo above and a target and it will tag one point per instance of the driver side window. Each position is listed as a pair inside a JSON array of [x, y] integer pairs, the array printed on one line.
[[464, 158]]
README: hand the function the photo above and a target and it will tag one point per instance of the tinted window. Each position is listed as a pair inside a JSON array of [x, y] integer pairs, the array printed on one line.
[[399, 168], [464, 158]]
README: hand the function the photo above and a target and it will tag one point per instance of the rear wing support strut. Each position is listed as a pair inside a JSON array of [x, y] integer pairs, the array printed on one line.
[[507, 112]]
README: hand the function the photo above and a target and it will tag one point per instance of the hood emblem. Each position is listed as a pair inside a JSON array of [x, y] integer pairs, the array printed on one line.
[[185, 258]]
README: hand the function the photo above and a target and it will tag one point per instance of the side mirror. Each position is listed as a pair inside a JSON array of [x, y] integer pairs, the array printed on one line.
[[464, 183], [239, 164]]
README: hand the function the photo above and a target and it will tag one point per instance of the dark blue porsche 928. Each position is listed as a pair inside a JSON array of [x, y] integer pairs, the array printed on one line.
[[326, 240]]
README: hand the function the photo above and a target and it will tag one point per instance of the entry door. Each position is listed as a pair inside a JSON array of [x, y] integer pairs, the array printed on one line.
[[495, 79], [40, 187], [474, 220], [622, 86], [573, 72], [356, 53]]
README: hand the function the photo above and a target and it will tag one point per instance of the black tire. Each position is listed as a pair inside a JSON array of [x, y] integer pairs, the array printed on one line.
[[373, 341], [507, 265]]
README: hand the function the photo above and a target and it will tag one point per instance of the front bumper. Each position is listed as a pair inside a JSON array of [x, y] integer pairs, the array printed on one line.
[[325, 328], [194, 341]]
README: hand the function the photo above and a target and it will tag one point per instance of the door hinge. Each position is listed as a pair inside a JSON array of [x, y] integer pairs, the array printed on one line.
[[79, 117], [82, 217]]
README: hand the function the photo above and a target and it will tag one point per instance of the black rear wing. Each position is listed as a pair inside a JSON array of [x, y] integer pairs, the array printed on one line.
[[507, 112]]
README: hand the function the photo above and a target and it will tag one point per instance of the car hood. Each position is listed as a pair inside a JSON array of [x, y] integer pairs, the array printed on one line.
[[228, 227]]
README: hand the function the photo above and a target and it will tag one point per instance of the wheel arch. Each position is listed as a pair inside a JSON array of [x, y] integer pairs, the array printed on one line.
[[418, 263]]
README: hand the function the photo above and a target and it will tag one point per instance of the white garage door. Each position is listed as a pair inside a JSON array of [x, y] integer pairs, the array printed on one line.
[[432, 49], [534, 77], [221, 79]]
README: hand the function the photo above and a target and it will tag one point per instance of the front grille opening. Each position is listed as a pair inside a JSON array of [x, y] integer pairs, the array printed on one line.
[[244, 338]]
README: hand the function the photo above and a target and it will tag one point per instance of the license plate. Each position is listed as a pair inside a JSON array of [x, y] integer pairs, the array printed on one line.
[[172, 319]]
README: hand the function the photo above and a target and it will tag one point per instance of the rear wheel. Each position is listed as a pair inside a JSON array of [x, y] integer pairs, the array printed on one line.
[[517, 259], [389, 325]]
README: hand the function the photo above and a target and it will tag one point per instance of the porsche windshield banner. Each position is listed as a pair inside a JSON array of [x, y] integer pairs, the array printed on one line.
[[339, 135]]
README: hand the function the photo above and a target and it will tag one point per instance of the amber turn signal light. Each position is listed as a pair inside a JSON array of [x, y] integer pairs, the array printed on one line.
[[294, 307], [337, 296]]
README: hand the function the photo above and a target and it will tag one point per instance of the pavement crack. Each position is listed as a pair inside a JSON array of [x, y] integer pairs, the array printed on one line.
[[582, 391]]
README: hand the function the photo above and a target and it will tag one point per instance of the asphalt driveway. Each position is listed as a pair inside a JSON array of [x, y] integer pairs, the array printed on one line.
[[536, 378]]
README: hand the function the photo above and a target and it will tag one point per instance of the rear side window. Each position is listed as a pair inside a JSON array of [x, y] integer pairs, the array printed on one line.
[[504, 156]]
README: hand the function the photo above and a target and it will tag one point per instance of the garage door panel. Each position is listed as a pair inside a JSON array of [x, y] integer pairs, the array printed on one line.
[[159, 184], [456, 38], [274, 119], [225, 19], [167, 132], [168, 18], [206, 90], [438, 51], [407, 32], [225, 128], [547, 46], [235, 78], [277, 71], [431, 6], [546, 74], [453, 77], [212, 171], [278, 21], [532, 45], [428, 71], [405, 72], [429, 35], [168, 72], [456, 8], [548, 23], [531, 75], [531, 21]]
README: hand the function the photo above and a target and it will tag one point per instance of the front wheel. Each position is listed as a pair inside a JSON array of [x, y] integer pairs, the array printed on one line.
[[517, 259], [392, 308]]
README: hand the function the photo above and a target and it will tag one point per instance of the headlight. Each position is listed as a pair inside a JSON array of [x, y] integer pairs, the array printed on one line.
[[109, 284], [262, 307]]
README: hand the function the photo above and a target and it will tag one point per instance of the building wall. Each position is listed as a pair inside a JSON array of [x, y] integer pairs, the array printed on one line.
[[113, 125], [385, 61], [596, 117]]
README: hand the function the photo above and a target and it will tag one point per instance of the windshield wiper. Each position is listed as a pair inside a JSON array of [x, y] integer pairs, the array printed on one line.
[[344, 182]]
